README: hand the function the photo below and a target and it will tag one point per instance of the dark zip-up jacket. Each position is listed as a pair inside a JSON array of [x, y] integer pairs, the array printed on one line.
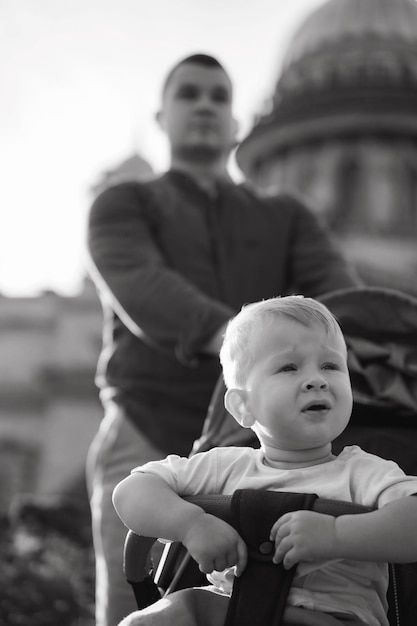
[[172, 265]]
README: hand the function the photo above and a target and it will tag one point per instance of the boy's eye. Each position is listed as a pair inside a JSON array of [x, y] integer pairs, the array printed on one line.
[[330, 366], [289, 367]]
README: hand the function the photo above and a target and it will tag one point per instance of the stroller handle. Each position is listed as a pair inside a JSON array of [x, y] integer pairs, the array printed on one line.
[[137, 547]]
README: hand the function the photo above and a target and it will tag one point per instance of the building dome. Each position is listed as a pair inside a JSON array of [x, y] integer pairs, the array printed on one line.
[[356, 19], [133, 168], [351, 68]]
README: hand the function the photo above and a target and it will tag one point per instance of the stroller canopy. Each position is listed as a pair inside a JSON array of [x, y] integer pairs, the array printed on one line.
[[380, 328]]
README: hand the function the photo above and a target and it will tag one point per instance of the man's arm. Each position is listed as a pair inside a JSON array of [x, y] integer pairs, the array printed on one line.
[[147, 505], [386, 535], [155, 302]]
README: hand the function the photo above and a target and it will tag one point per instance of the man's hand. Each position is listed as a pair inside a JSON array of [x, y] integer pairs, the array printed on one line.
[[303, 536], [215, 342], [215, 545]]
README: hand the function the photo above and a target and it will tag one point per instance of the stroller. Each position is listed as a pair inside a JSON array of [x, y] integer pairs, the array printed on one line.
[[380, 328]]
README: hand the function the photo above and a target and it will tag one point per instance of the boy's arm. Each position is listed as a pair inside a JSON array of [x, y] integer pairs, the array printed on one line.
[[387, 534], [149, 506]]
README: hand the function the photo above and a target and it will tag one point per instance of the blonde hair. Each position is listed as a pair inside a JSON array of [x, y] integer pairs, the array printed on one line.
[[239, 347]]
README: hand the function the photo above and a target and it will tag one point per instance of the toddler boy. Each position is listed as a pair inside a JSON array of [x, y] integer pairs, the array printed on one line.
[[285, 367]]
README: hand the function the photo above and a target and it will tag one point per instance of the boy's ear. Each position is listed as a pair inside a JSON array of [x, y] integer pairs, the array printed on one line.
[[235, 401]]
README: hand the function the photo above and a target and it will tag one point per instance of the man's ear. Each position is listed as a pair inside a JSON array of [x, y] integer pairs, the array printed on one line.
[[160, 119], [235, 401], [236, 129]]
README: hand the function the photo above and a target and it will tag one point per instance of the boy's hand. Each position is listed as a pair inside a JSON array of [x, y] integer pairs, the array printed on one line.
[[215, 545], [303, 536]]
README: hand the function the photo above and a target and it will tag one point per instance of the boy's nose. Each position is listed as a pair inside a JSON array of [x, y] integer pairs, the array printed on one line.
[[315, 382]]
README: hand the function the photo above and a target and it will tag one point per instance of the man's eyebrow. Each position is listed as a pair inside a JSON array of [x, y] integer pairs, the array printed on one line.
[[187, 86], [221, 89]]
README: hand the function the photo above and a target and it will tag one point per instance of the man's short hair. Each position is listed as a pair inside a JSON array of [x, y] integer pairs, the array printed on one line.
[[195, 59], [239, 349]]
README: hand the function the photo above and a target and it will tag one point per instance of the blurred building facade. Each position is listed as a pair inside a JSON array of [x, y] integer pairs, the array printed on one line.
[[341, 131], [133, 168], [49, 405]]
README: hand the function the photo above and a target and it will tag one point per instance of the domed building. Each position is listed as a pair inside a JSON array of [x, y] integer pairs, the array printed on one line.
[[342, 132], [134, 168]]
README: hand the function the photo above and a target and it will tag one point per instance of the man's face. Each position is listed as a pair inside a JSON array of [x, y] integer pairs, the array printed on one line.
[[197, 112]]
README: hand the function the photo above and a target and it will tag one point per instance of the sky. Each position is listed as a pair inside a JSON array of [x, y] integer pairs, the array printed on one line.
[[80, 85]]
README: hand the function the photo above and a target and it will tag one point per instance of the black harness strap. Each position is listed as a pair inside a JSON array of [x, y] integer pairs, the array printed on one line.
[[260, 594]]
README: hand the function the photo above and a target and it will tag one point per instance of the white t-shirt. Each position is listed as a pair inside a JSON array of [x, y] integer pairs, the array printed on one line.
[[357, 588]]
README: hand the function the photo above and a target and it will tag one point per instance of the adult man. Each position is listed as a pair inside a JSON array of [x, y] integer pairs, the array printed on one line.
[[173, 260]]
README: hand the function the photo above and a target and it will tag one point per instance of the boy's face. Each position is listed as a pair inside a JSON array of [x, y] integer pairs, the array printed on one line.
[[197, 111], [298, 394]]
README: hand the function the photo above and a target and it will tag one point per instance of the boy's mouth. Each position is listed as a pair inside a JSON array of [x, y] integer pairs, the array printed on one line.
[[316, 406]]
